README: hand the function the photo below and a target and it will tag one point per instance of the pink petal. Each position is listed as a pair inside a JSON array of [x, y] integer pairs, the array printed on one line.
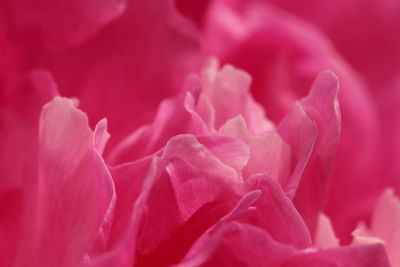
[[351, 256], [230, 243], [125, 68], [384, 227], [228, 92], [193, 191], [208, 103], [133, 183], [19, 114], [171, 119], [236, 127], [237, 244], [269, 155], [324, 233], [321, 105], [300, 133], [175, 116], [76, 192], [198, 155], [378, 58], [230, 151], [276, 214], [60, 24], [283, 54]]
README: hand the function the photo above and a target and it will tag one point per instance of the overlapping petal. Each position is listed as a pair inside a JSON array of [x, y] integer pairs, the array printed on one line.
[[284, 53], [75, 192], [212, 180]]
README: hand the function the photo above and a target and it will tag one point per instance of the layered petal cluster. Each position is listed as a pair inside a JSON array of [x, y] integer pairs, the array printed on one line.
[[210, 181], [283, 45], [206, 166]]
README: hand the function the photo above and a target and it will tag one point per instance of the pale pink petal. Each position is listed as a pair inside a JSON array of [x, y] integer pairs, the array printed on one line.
[[362, 235], [101, 136], [384, 227], [198, 155], [230, 151], [321, 106], [228, 91], [236, 127], [324, 233], [269, 155], [76, 192], [300, 133]]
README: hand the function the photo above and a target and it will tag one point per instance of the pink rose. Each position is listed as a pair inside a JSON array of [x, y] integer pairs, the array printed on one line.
[[206, 165]]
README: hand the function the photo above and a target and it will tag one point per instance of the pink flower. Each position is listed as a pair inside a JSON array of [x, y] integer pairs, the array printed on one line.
[[221, 193], [227, 171], [284, 44]]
